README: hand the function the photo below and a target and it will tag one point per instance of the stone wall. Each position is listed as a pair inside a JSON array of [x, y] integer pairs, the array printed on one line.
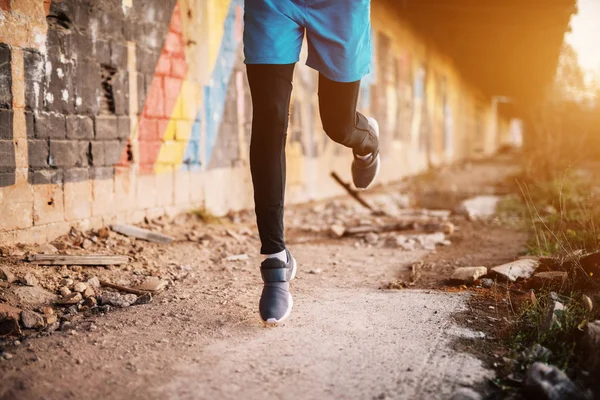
[[121, 109]]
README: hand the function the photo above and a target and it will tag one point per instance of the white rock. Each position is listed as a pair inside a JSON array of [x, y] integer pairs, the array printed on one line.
[[479, 207], [520, 269], [79, 287], [468, 274]]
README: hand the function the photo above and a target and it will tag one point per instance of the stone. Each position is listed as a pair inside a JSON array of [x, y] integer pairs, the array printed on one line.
[[146, 298], [33, 295], [94, 282], [87, 243], [6, 275], [52, 327], [29, 280], [90, 302], [520, 269], [117, 300], [546, 382], [7, 356], [468, 274], [315, 271], [79, 287], [465, 394], [371, 238], [551, 280], [7, 311], [487, 283], [47, 248], [337, 230], [591, 346], [103, 233], [47, 310], [50, 319], [31, 320], [71, 299], [67, 282], [9, 320], [89, 292], [152, 284], [480, 207], [448, 228], [64, 291]]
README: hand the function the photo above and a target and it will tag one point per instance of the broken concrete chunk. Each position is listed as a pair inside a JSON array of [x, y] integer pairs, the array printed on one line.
[[64, 291], [6, 275], [47, 248], [50, 319], [67, 282], [70, 299], [94, 282], [117, 300], [33, 295], [520, 269], [552, 280], [144, 299], [79, 287], [468, 274], [337, 230], [31, 320], [89, 292], [29, 280], [87, 243], [143, 234], [7, 311], [152, 284], [546, 382]]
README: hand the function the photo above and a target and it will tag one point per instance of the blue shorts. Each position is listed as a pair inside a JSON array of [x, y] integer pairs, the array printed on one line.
[[338, 34]]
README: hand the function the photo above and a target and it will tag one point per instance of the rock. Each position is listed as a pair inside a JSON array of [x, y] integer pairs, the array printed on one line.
[[7, 356], [337, 230], [465, 394], [90, 302], [535, 353], [552, 280], [79, 287], [315, 271], [591, 345], [94, 282], [87, 243], [89, 292], [6, 275], [371, 238], [9, 320], [487, 283], [52, 327], [146, 298], [67, 282], [552, 315], [545, 382], [7, 311], [520, 269], [587, 303], [31, 320], [449, 228], [47, 248], [117, 300], [46, 310], [468, 274], [480, 207], [103, 233], [50, 319], [152, 284], [71, 299], [238, 257], [34, 296], [64, 291], [29, 280]]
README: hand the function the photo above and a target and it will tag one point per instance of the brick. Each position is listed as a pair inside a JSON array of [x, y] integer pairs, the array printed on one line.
[[163, 67], [149, 152], [46, 176], [38, 151], [48, 204], [120, 88], [141, 90], [118, 55], [155, 99], [146, 60], [124, 127], [7, 155], [42, 233], [16, 208], [88, 88], [5, 76], [183, 131], [68, 153], [106, 128], [163, 129], [174, 43], [97, 153], [7, 179], [102, 52], [80, 127], [34, 79], [59, 86], [6, 124], [30, 124], [103, 197], [112, 152], [77, 174], [148, 130], [78, 196], [172, 88], [102, 173], [50, 125], [178, 67]]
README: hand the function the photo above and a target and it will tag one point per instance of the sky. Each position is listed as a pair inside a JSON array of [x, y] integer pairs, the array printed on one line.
[[585, 35]]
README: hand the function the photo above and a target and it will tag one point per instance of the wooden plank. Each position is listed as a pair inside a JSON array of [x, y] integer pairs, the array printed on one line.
[[57, 259], [143, 234]]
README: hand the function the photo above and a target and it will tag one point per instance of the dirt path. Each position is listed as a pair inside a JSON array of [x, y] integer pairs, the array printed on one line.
[[201, 339]]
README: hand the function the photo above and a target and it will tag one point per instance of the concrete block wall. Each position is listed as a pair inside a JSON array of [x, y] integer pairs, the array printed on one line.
[[116, 110]]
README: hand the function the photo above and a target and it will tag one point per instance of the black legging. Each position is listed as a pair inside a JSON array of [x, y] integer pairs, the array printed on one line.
[[271, 88]]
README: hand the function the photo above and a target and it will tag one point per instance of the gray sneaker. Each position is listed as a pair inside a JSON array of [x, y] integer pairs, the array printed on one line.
[[276, 300], [364, 171]]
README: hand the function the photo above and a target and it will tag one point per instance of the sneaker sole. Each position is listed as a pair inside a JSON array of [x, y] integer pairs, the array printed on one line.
[[376, 174], [273, 321]]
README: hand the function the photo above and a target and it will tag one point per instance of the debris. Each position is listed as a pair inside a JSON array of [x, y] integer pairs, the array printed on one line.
[[47, 248], [337, 230], [33, 295], [67, 282], [50, 319], [465, 394], [31, 320], [77, 259], [143, 234], [353, 193], [591, 344], [363, 229], [395, 285], [315, 271], [64, 291], [468, 274], [372, 238], [122, 288], [29, 280], [9, 320], [520, 269], [487, 283], [93, 282], [46, 310], [88, 292], [152, 284], [233, 235], [146, 298], [79, 287], [103, 232], [117, 300], [6, 275], [71, 299], [587, 303], [551, 280], [7, 356], [480, 207], [90, 302], [87, 243], [546, 382], [238, 257]]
